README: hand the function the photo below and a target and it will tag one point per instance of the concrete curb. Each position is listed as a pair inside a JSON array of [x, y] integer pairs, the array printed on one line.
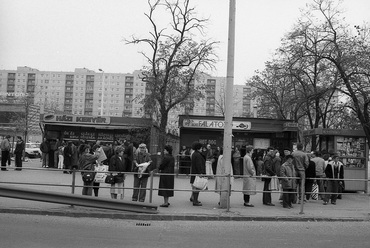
[[178, 217]]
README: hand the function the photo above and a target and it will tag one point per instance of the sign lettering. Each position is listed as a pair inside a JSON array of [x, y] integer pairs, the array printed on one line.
[[217, 124]]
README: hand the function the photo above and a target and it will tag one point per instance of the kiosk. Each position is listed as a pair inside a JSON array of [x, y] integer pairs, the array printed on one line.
[[351, 147], [259, 132], [103, 128]]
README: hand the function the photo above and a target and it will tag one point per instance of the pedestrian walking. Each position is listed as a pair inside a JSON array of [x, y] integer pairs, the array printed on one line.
[[166, 182]]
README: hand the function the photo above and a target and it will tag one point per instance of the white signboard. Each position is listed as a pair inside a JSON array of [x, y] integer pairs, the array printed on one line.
[[259, 143], [218, 124]]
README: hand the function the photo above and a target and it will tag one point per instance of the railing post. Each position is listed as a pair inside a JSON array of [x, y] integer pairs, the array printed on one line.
[[151, 187], [228, 192], [73, 180], [302, 195]]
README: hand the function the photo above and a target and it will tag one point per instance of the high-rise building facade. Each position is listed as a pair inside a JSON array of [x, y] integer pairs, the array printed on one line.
[[86, 92]]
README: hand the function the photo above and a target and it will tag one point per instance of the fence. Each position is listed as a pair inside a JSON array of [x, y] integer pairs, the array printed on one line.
[[76, 183]]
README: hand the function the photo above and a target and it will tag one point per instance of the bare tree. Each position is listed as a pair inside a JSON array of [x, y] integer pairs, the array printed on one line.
[[347, 50], [175, 59]]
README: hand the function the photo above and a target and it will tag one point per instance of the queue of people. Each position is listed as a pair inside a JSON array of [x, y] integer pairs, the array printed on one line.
[[294, 170]]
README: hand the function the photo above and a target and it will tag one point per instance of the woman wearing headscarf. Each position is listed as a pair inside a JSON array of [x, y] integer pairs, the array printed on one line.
[[86, 162], [166, 182], [117, 165]]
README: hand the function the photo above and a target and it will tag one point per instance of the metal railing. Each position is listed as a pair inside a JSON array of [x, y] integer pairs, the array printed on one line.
[[153, 174]]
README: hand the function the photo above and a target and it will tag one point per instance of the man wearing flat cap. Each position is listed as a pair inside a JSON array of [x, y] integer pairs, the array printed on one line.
[[288, 182]]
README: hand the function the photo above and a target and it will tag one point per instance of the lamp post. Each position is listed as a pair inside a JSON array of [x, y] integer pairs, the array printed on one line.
[[226, 165], [102, 93]]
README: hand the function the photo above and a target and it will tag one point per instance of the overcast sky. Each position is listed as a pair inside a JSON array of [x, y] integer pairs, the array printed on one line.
[[61, 35]]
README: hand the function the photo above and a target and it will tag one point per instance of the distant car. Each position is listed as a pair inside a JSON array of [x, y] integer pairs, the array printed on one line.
[[32, 150]]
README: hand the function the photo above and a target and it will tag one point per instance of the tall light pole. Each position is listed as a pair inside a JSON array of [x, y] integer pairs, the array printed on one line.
[[102, 93], [226, 165]]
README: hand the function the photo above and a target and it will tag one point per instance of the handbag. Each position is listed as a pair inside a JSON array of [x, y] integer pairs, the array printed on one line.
[[119, 178], [274, 184], [109, 179], [315, 192], [88, 177], [200, 183]]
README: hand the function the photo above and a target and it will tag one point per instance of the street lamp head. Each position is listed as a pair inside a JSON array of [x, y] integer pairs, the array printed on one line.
[[101, 70]]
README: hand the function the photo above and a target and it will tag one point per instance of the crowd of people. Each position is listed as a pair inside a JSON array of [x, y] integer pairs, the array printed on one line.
[[292, 172], [114, 160]]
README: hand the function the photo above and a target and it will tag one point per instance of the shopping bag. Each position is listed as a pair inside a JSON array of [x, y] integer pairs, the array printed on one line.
[[274, 184], [102, 155], [200, 183], [315, 192], [101, 174], [209, 171]]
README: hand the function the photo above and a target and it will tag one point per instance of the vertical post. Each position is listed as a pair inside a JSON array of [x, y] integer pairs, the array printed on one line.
[[102, 93], [73, 180], [224, 196], [302, 195], [151, 187], [228, 192]]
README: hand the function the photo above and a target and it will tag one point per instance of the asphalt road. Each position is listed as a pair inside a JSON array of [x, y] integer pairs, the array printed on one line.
[[50, 231]]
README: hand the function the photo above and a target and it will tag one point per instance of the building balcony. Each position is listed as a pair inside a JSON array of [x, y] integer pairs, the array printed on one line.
[[31, 76]]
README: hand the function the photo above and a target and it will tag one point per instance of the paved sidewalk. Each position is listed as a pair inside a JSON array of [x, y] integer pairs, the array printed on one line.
[[353, 207]]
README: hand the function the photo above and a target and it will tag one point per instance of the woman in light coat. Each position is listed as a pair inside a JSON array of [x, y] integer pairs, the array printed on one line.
[[249, 181], [222, 175]]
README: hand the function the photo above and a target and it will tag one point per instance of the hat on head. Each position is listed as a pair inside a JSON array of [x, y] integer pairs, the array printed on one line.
[[142, 145]]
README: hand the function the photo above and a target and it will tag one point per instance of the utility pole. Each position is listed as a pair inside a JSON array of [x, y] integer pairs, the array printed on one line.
[[102, 93], [226, 165]]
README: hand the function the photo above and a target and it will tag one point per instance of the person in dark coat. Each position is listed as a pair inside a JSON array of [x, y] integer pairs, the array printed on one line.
[[310, 174], [45, 148], [18, 152], [166, 182], [333, 171], [288, 182], [68, 154], [117, 165], [198, 166], [86, 163], [269, 171]]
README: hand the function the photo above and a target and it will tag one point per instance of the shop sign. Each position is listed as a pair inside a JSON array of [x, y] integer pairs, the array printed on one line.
[[70, 135], [88, 135], [217, 124], [105, 136], [291, 124], [77, 119]]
